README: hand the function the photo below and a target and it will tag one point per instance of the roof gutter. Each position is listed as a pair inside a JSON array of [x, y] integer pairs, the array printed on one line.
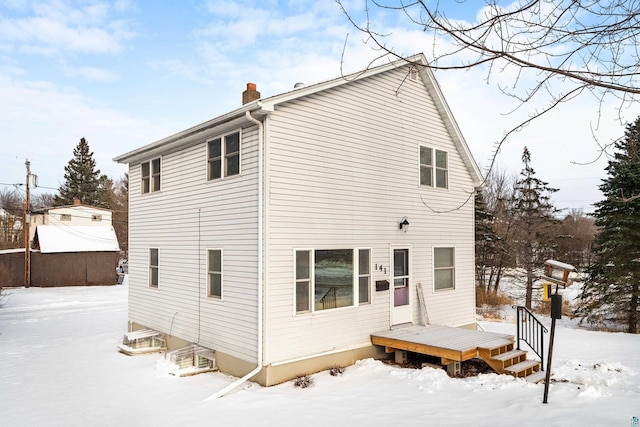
[[258, 368]]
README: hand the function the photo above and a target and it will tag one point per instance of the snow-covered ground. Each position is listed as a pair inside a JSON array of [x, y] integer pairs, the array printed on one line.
[[59, 366]]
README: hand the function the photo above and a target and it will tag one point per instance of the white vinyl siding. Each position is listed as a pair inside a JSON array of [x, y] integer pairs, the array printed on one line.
[[341, 173], [190, 215]]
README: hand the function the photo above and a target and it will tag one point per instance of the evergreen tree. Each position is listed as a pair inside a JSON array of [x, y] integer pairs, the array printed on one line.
[[534, 222], [611, 291], [81, 179]]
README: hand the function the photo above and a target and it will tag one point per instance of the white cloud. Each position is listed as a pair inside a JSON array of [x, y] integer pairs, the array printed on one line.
[[56, 26], [91, 73]]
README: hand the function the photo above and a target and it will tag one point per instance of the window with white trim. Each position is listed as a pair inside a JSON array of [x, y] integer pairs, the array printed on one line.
[[331, 278], [214, 273], [153, 267], [364, 276], [150, 176], [444, 269], [65, 217], [96, 218], [223, 156], [428, 169]]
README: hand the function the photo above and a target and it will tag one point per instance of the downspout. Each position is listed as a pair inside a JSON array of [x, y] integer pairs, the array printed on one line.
[[258, 368]]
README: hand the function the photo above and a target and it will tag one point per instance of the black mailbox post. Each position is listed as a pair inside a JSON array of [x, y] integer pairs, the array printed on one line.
[[556, 313]]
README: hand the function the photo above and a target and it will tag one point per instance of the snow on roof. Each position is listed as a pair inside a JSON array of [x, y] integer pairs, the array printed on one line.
[[561, 265], [53, 239]]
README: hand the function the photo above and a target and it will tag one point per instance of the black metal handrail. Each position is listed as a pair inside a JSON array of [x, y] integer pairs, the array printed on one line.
[[329, 298], [531, 331]]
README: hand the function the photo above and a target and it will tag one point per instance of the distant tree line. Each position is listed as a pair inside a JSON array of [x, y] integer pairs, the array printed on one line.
[[517, 226]]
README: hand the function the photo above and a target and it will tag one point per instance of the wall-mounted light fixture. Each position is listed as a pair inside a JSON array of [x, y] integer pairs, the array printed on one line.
[[404, 224]]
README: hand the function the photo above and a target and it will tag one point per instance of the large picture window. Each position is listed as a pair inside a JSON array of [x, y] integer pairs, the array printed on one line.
[[153, 267], [331, 278], [150, 176], [223, 156], [444, 270], [214, 273], [434, 174]]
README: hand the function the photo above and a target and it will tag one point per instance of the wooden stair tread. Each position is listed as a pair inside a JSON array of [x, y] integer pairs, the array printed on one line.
[[519, 367], [512, 354], [495, 344], [536, 377]]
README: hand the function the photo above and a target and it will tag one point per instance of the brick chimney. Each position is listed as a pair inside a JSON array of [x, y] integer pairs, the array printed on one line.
[[251, 94], [76, 202]]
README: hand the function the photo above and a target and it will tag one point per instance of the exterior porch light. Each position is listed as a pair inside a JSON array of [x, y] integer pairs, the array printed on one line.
[[404, 224]]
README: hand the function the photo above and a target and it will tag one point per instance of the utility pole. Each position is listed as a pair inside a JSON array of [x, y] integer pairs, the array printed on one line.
[[27, 221]]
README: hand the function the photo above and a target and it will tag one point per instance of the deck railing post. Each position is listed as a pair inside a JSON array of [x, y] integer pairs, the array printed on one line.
[[542, 349], [532, 333], [518, 327]]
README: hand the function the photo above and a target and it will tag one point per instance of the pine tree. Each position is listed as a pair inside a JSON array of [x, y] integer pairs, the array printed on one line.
[[534, 222], [611, 291], [81, 179]]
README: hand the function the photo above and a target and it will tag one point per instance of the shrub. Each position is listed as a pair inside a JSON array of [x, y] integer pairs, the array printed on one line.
[[336, 370], [303, 381]]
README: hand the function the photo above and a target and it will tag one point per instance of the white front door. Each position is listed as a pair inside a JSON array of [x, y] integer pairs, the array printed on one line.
[[401, 282]]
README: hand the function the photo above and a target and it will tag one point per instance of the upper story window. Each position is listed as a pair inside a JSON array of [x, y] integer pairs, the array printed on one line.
[[150, 176], [65, 217], [223, 156], [434, 169], [96, 218]]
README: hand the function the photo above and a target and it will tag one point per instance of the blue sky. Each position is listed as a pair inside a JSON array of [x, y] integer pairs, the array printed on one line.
[[125, 73]]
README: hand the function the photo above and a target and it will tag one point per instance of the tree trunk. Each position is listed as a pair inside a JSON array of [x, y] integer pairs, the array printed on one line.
[[529, 295], [633, 309]]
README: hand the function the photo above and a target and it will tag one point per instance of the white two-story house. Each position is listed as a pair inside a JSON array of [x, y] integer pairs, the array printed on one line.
[[285, 232]]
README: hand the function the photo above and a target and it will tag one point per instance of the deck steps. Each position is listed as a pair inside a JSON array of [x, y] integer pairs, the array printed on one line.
[[507, 360], [455, 345], [523, 369]]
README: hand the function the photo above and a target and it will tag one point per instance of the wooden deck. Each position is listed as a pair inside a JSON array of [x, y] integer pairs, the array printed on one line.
[[448, 343]]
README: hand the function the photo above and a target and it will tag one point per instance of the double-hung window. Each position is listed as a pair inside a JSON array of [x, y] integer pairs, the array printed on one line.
[[364, 276], [444, 268], [153, 267], [331, 278], [150, 176], [214, 273], [223, 156], [434, 167]]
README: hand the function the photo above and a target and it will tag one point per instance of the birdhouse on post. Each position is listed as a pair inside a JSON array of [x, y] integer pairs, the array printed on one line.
[[556, 272]]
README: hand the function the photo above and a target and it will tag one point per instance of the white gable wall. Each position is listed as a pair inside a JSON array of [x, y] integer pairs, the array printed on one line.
[[185, 218], [342, 172]]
